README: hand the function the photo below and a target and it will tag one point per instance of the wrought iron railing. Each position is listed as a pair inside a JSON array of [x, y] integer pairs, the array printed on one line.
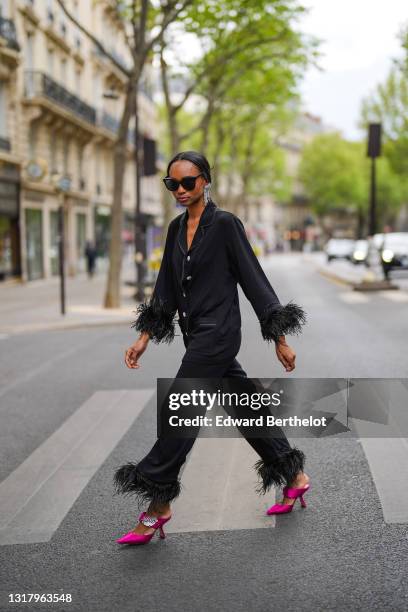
[[40, 84], [5, 144], [8, 31], [108, 122]]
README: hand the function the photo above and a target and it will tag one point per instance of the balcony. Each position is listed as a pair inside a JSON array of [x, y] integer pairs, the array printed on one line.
[[39, 84], [5, 144], [8, 32], [110, 123]]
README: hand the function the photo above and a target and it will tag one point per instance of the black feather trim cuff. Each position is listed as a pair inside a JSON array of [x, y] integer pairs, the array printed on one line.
[[155, 319], [278, 320], [128, 480], [282, 471]]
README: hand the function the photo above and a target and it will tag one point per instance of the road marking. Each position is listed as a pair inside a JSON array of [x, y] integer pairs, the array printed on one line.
[[230, 501], [35, 498], [354, 297], [394, 296], [388, 457], [34, 372]]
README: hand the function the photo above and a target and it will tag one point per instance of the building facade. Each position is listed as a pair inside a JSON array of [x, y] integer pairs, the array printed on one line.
[[60, 107]]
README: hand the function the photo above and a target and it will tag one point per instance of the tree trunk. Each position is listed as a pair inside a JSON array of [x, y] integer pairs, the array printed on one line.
[[112, 295]]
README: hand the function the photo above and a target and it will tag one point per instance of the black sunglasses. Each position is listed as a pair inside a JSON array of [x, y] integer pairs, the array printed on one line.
[[188, 182]]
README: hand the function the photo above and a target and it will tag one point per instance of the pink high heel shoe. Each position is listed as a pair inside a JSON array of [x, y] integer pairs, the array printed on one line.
[[144, 538], [292, 493]]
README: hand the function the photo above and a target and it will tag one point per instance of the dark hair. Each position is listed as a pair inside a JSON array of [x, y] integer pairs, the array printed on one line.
[[195, 158]]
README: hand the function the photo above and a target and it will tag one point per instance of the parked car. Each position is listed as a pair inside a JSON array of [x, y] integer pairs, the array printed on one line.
[[394, 251], [360, 252], [339, 248]]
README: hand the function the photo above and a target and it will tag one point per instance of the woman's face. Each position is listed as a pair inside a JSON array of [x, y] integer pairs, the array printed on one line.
[[179, 170]]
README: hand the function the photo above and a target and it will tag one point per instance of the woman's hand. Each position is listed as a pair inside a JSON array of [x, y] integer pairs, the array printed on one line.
[[134, 352], [285, 355]]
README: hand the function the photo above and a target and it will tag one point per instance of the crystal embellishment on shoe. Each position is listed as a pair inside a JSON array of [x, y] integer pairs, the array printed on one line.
[[143, 538], [149, 521]]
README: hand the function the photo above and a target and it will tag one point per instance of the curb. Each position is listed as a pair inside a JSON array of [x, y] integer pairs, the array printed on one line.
[[362, 285], [17, 330], [336, 278]]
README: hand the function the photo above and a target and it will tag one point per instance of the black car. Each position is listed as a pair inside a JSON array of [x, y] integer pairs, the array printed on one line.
[[394, 251]]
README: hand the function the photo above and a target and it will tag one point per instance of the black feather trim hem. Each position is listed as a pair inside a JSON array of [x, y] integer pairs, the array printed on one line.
[[278, 320], [128, 480], [280, 472], [155, 319]]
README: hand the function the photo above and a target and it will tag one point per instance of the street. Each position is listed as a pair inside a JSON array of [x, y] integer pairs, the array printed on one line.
[[71, 412]]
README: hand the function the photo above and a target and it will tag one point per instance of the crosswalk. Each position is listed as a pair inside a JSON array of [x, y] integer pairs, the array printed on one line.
[[218, 479], [359, 297], [35, 497]]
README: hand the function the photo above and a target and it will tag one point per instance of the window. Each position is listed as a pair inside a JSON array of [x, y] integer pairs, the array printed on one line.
[[64, 72], [50, 58], [78, 82], [3, 110], [29, 54], [50, 12], [65, 157], [4, 9], [52, 151], [32, 141], [80, 169]]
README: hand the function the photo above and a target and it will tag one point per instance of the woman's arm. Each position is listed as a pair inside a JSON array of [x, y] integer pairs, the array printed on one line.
[[156, 315], [275, 319]]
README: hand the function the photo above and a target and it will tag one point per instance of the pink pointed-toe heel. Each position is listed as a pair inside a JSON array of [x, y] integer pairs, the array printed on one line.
[[292, 493], [143, 538]]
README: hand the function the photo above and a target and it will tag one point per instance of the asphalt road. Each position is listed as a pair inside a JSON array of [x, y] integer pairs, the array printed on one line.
[[338, 554]]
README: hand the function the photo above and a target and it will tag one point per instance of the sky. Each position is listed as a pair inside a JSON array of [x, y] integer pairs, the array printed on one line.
[[360, 38]]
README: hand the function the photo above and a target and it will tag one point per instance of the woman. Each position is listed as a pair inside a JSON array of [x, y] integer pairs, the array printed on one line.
[[206, 254]]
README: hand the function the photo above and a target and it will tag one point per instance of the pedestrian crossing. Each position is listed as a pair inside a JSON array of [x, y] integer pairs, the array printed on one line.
[[228, 499], [360, 297], [218, 479], [35, 497]]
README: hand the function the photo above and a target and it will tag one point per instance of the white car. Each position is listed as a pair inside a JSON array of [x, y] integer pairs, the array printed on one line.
[[360, 252], [339, 248]]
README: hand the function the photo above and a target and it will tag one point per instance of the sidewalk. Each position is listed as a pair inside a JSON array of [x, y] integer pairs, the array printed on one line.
[[346, 273], [35, 306]]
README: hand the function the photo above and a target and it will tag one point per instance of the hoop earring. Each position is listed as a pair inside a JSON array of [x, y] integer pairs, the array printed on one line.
[[207, 197]]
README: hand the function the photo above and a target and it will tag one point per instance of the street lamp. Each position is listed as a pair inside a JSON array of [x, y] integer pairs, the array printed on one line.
[[62, 184]]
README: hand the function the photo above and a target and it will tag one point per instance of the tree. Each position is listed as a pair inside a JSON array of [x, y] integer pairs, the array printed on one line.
[[144, 23], [252, 59], [335, 174], [238, 40]]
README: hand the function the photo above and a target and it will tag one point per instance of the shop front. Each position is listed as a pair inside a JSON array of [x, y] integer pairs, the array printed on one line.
[[10, 258]]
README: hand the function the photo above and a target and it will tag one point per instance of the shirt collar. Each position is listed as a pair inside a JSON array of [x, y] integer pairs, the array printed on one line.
[[206, 219]]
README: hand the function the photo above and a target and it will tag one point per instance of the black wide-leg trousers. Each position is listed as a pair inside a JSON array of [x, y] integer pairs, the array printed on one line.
[[155, 479]]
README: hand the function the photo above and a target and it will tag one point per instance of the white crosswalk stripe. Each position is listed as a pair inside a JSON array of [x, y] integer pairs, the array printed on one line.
[[388, 457], [358, 297], [35, 497], [354, 297], [218, 489]]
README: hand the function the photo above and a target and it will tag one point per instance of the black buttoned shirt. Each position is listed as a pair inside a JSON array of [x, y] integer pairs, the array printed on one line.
[[200, 283]]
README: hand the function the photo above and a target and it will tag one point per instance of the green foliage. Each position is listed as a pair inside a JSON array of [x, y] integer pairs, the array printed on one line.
[[388, 104], [252, 59], [336, 175]]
